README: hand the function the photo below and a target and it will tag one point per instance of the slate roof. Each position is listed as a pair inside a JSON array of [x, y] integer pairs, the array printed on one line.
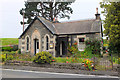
[[74, 27], [83, 26]]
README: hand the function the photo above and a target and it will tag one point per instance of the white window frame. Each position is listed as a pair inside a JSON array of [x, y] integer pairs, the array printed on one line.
[[78, 37], [27, 44], [45, 42]]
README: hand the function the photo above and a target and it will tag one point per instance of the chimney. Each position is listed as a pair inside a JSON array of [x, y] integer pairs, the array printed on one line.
[[97, 15]]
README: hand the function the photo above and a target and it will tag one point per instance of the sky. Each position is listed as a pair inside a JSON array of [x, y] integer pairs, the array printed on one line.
[[10, 17]]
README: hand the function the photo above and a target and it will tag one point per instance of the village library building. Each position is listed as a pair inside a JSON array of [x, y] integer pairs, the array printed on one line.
[[54, 37]]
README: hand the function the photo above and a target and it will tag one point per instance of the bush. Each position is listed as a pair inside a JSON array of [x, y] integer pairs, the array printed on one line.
[[7, 48], [89, 64], [93, 45], [2, 57], [10, 48], [73, 50], [19, 51], [43, 57], [7, 52], [10, 57]]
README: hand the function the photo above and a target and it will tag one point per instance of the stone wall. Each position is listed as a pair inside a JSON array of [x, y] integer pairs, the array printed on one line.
[[37, 30], [53, 65]]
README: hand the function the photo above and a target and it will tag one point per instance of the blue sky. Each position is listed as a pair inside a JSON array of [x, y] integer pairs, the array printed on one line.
[[10, 18]]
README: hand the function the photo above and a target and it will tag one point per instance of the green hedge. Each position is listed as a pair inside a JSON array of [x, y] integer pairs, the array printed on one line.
[[10, 48]]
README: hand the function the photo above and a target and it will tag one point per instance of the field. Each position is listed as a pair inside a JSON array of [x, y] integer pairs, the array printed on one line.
[[9, 41]]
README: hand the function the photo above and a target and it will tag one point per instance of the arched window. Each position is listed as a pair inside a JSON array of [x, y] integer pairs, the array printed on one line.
[[27, 43], [47, 43]]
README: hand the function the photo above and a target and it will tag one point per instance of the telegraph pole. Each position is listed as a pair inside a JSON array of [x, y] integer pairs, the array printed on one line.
[[23, 11]]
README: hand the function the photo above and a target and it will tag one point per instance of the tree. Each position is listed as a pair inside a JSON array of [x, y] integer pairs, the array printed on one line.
[[47, 10], [112, 23]]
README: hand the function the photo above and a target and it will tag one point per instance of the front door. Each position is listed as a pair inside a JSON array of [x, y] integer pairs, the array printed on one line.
[[62, 48], [36, 46]]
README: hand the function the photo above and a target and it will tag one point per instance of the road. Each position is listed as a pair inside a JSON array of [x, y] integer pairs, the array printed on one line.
[[9, 73]]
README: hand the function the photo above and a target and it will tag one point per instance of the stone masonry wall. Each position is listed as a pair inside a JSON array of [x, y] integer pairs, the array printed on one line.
[[37, 27]]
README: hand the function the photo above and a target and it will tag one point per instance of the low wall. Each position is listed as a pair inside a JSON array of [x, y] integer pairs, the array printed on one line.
[[76, 66], [53, 65]]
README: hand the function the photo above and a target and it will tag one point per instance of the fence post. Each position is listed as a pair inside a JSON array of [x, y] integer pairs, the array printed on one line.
[[112, 60]]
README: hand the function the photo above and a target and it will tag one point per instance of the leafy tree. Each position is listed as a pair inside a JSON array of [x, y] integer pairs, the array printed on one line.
[[47, 10], [112, 23]]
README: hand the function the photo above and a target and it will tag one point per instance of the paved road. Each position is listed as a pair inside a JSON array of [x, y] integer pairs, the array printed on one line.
[[9, 73]]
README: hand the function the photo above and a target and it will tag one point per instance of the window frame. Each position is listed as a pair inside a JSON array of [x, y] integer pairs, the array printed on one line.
[[46, 42], [27, 43], [78, 37]]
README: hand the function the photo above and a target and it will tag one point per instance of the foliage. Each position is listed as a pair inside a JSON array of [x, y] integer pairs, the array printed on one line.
[[7, 48], [112, 24], [23, 57], [69, 60], [9, 41], [118, 60], [47, 10], [10, 48], [73, 49], [10, 57], [13, 55], [19, 51], [93, 45], [88, 64], [92, 49], [2, 57], [43, 57], [7, 52]]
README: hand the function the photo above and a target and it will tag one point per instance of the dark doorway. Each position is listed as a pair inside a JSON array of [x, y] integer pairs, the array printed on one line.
[[61, 46], [36, 46]]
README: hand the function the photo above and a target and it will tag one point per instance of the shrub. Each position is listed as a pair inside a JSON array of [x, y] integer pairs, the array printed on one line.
[[43, 57], [19, 51], [10, 48], [88, 64], [7, 52], [10, 57], [93, 45], [7, 48], [118, 60], [73, 49], [2, 57]]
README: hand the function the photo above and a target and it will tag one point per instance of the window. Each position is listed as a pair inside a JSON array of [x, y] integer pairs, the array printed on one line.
[[47, 42], [81, 44], [27, 43], [81, 40], [37, 45]]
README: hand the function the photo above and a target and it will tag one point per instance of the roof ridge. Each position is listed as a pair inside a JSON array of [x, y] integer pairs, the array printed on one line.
[[75, 21], [45, 19]]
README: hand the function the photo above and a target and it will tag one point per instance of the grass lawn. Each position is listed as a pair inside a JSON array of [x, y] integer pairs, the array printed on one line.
[[9, 41], [68, 60]]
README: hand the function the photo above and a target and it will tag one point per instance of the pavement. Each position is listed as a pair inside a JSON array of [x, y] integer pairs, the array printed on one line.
[[57, 70]]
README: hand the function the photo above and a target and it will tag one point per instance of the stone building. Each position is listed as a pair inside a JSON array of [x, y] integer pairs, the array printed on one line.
[[54, 37]]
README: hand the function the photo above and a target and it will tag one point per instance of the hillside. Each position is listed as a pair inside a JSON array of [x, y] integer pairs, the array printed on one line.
[[9, 41]]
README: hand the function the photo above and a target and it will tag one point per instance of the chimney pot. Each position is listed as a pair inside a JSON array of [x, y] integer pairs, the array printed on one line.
[[97, 14], [96, 10]]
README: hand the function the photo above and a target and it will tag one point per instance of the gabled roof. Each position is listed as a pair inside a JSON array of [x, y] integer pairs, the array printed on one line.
[[74, 27], [46, 23]]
